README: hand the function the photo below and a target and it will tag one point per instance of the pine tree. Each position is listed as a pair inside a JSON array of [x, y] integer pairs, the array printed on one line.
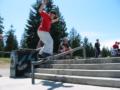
[[105, 52], [11, 42], [88, 47], [75, 41], [1, 36], [58, 29], [1, 25], [91, 50], [30, 37]]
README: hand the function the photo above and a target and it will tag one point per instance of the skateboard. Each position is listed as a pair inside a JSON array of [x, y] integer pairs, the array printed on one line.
[[56, 56]]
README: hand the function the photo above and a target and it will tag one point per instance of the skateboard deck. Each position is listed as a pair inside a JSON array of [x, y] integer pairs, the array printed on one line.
[[53, 57]]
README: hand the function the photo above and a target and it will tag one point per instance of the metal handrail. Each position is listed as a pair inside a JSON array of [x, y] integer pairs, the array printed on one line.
[[33, 63], [5, 52]]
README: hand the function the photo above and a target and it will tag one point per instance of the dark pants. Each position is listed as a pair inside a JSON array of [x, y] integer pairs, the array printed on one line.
[[97, 53]]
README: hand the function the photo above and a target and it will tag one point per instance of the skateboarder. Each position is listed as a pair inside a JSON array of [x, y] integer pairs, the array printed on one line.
[[44, 29]]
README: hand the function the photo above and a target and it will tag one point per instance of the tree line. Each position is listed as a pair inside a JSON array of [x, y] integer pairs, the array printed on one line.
[[58, 31]]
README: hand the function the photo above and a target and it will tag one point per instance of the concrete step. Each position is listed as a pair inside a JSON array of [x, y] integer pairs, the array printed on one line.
[[90, 60], [98, 81], [77, 72], [103, 66]]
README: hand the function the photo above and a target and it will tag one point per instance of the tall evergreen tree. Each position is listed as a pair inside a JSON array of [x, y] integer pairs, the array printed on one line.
[[1, 25], [11, 42], [105, 52], [88, 47], [75, 41], [75, 38], [58, 29], [30, 37], [1, 36], [91, 50]]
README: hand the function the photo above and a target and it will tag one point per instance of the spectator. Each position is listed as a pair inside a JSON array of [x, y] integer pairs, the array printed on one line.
[[97, 48], [116, 45], [64, 46], [115, 49]]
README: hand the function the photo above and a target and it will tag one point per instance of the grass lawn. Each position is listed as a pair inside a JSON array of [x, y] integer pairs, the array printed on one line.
[[4, 60]]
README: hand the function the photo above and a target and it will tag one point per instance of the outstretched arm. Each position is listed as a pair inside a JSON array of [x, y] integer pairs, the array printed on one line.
[[44, 2], [55, 20]]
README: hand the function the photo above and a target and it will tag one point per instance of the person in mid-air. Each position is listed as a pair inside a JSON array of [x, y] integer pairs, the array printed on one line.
[[44, 29]]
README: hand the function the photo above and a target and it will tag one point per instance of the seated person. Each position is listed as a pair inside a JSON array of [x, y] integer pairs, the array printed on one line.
[[115, 50], [116, 45], [64, 46]]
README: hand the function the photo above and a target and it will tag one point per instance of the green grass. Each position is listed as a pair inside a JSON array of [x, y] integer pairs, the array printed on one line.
[[4, 60]]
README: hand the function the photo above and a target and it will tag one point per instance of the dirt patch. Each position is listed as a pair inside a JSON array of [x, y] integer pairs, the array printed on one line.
[[4, 65], [4, 69]]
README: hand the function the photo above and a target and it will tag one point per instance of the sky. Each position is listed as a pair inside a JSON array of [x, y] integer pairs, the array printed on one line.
[[91, 18]]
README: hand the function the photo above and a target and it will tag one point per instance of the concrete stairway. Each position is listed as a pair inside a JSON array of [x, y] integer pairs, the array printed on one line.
[[101, 71]]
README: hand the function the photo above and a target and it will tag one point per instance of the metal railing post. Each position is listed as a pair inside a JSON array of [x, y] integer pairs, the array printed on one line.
[[32, 75], [84, 52]]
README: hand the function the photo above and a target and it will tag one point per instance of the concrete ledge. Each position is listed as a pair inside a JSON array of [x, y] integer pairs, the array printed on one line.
[[103, 66], [90, 60], [99, 81], [92, 71], [77, 72]]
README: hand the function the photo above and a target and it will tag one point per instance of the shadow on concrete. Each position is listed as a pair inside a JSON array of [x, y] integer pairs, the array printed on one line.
[[53, 85]]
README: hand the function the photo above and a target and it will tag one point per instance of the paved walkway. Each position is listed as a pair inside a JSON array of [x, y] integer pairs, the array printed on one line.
[[4, 72], [7, 83]]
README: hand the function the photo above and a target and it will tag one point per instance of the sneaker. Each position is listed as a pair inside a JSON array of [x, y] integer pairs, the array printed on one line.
[[40, 56], [45, 54]]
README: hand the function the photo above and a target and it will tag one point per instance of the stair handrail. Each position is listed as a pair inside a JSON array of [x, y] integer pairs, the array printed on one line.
[[33, 63]]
